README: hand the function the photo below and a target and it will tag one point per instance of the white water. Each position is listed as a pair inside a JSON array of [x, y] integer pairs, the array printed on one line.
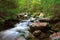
[[11, 34]]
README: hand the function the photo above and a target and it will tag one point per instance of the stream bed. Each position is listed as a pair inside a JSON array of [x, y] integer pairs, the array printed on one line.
[[13, 33]]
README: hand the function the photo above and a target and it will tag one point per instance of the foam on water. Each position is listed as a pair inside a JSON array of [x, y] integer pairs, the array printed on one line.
[[11, 34]]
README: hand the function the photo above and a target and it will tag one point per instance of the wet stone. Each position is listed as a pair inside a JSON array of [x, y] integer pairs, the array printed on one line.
[[38, 26], [40, 30]]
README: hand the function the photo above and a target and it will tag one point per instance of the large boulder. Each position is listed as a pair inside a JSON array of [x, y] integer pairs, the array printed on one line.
[[43, 26], [40, 30]]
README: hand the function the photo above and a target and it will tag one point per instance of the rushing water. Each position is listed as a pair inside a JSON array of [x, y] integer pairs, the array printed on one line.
[[20, 27]]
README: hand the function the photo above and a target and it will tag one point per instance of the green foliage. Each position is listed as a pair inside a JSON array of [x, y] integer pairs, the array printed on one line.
[[36, 5], [49, 15], [57, 8], [48, 5], [9, 8]]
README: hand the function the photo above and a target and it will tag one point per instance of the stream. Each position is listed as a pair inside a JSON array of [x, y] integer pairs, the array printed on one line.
[[13, 33], [22, 28]]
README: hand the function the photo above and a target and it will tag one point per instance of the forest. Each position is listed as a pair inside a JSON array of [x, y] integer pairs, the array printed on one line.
[[33, 19]]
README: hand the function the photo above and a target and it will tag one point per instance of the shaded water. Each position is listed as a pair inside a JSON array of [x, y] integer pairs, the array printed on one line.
[[20, 27]]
